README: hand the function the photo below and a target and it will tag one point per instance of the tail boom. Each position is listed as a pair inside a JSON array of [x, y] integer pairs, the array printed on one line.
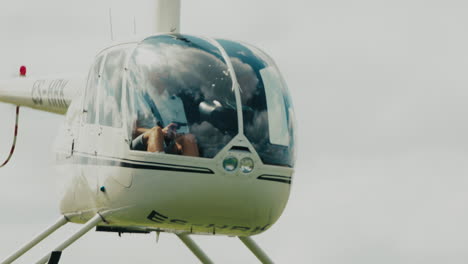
[[45, 94]]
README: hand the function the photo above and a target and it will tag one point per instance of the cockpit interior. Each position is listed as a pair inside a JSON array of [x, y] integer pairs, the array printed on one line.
[[186, 95]]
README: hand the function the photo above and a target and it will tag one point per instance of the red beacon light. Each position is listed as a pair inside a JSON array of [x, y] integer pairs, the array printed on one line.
[[22, 71]]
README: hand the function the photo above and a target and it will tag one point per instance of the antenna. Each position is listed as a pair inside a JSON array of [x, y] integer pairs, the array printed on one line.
[[110, 23]]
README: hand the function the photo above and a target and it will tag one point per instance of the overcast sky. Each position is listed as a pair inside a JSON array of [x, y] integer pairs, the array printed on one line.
[[380, 91]]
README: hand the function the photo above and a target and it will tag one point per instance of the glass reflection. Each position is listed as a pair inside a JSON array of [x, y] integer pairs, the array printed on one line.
[[266, 105], [111, 87], [91, 91], [181, 99]]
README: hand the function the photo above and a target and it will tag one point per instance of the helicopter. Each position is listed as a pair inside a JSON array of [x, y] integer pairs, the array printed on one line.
[[169, 133]]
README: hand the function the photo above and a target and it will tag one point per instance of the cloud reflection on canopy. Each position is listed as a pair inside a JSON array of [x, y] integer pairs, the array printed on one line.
[[193, 70]]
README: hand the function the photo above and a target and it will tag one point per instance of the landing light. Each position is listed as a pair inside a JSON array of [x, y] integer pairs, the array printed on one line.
[[246, 165], [230, 163]]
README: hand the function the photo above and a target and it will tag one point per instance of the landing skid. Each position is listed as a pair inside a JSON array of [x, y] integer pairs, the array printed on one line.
[[54, 256]]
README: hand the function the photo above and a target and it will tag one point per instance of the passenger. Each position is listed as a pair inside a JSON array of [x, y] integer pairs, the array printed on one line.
[[165, 140]]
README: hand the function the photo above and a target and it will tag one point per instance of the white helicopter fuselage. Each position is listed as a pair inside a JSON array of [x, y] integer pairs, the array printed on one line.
[[143, 191], [169, 133], [154, 191]]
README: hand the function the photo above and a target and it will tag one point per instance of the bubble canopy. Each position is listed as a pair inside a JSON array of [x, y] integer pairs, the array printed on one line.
[[181, 99]]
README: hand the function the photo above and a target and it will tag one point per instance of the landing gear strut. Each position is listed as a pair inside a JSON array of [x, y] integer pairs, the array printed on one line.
[[54, 256]]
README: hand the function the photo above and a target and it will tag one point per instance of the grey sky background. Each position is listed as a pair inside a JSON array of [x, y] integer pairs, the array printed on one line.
[[380, 92]]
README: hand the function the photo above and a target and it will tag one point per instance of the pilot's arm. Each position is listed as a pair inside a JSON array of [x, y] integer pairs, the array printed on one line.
[[153, 139]]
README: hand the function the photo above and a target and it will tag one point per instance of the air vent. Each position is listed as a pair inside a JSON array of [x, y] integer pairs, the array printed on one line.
[[240, 148]]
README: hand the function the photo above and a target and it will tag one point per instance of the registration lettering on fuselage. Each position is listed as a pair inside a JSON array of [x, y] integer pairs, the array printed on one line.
[[163, 219], [49, 92]]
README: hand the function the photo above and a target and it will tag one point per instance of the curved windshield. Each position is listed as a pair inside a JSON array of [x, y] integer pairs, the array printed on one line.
[[181, 97], [266, 105]]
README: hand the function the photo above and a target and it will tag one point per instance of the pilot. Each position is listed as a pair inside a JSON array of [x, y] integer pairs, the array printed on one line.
[[165, 140], [158, 108]]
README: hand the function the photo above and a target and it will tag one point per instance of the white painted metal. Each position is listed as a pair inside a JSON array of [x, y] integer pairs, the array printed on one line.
[[59, 223], [195, 249], [167, 16], [83, 230], [258, 252], [135, 193], [46, 94]]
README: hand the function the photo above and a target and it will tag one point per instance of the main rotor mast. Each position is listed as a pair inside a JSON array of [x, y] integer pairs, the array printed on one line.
[[167, 16]]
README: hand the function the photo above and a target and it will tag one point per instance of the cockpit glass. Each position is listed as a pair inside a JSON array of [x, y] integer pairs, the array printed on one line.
[[181, 98], [266, 105]]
